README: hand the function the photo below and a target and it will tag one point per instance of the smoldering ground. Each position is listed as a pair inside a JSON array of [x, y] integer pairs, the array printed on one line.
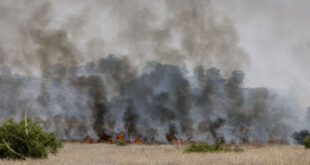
[[176, 72]]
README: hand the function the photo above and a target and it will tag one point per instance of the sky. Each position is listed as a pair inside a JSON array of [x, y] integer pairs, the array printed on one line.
[[275, 34]]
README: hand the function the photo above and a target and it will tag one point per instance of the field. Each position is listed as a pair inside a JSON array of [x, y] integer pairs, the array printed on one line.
[[89, 154]]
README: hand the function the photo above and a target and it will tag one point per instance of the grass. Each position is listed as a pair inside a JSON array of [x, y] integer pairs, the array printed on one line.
[[120, 143], [79, 154], [217, 147]]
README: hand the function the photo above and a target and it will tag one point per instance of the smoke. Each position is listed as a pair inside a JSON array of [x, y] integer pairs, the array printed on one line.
[[275, 35], [171, 32], [177, 73], [162, 103]]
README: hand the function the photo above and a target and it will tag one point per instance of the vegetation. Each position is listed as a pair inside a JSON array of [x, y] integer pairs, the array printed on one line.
[[307, 142], [209, 148], [300, 136], [120, 142], [19, 140]]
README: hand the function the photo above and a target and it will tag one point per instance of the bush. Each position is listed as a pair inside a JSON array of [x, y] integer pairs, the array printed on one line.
[[19, 140], [307, 142], [120, 143], [209, 148], [300, 136]]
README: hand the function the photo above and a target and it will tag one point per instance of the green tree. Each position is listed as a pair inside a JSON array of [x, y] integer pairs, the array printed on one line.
[[25, 138]]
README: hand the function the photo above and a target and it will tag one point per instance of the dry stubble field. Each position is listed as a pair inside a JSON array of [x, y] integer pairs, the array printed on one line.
[[92, 154]]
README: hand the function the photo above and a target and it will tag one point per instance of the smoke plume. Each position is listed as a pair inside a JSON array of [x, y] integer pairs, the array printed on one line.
[[176, 72]]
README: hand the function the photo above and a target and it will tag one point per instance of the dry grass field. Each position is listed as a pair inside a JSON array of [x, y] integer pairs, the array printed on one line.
[[92, 154]]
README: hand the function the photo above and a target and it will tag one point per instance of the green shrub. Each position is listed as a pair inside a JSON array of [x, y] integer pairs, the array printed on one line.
[[237, 149], [19, 140], [307, 142], [209, 148], [120, 143]]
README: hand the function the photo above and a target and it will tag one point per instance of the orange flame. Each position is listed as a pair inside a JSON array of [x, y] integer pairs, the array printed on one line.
[[196, 143], [87, 139], [105, 138], [172, 140], [120, 136], [137, 140]]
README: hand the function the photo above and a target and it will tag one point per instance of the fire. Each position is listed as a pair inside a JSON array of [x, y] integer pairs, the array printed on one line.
[[137, 141], [171, 138], [196, 143], [105, 138], [172, 141], [120, 136], [272, 140], [88, 140]]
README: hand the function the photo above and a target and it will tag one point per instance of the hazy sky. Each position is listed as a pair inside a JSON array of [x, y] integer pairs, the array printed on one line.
[[276, 35]]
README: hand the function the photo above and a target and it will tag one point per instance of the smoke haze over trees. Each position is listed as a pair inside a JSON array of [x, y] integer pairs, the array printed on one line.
[[111, 97], [177, 70]]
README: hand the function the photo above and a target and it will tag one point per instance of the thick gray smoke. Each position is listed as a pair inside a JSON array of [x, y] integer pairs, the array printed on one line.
[[176, 75], [109, 97], [186, 33]]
